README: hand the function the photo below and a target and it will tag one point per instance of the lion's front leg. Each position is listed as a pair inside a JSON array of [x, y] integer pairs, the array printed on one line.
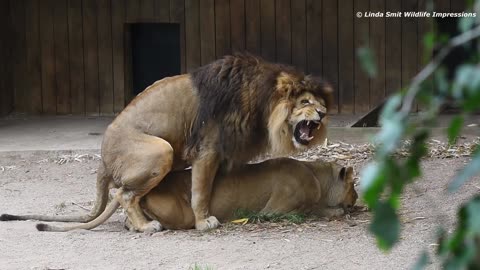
[[204, 170]]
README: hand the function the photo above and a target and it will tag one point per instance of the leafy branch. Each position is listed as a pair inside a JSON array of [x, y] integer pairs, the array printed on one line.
[[384, 179]]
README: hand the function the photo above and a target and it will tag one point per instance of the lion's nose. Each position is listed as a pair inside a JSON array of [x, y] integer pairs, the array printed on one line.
[[321, 114]]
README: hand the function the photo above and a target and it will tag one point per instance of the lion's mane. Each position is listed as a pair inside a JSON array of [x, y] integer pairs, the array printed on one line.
[[247, 101]]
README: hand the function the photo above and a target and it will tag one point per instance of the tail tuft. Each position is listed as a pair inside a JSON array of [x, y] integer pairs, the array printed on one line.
[[42, 227], [7, 217]]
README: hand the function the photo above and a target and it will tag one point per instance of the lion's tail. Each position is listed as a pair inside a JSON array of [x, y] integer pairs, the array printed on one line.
[[101, 201], [111, 208]]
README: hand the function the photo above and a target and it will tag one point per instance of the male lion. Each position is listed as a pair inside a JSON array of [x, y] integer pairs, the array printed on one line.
[[222, 114], [275, 186]]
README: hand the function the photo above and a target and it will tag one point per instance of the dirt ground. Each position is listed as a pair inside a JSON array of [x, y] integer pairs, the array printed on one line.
[[63, 182]]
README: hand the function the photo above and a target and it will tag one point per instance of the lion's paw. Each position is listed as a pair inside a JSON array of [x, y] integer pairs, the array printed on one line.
[[209, 223], [152, 226]]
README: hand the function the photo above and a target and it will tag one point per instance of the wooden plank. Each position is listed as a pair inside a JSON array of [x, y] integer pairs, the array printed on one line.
[[75, 41], [441, 5], [6, 82], [425, 25], [147, 10], [133, 11], [222, 28], [456, 6], [207, 31], [283, 33], [90, 52], [33, 53], [409, 43], [105, 57], [361, 34], [118, 54], [267, 24], [330, 46], [299, 35], [162, 11], [237, 24], [346, 58], [177, 15], [62, 63], [393, 49], [377, 43], [252, 26], [49, 98], [192, 34], [17, 9], [314, 37]]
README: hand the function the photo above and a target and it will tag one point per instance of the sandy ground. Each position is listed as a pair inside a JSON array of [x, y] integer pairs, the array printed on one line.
[[38, 182]]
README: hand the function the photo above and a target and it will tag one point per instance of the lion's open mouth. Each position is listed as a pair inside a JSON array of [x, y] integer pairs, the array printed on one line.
[[303, 131]]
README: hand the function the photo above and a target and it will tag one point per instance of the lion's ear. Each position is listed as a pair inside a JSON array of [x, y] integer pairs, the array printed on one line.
[[285, 84]]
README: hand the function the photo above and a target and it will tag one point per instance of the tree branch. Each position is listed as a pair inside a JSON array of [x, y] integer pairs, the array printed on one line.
[[433, 65]]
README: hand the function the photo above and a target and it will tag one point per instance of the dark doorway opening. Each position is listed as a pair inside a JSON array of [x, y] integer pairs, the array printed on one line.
[[155, 49]]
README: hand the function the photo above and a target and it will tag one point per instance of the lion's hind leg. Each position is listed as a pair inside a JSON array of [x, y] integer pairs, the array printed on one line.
[[149, 162]]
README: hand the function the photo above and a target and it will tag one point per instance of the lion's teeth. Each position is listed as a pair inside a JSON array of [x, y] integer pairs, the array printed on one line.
[[308, 122], [310, 138]]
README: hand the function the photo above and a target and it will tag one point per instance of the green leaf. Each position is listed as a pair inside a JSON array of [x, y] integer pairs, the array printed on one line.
[[429, 41], [466, 23], [441, 82], [422, 261], [385, 225], [473, 216], [469, 171], [367, 61], [373, 182], [390, 135], [454, 129]]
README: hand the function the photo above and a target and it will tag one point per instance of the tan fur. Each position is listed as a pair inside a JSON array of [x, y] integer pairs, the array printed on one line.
[[149, 137], [274, 186]]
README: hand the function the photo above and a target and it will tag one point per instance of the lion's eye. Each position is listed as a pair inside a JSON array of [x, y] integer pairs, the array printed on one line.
[[305, 101]]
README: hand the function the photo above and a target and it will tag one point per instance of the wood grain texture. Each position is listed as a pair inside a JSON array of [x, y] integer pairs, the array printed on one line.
[[237, 25], [299, 34], [409, 43], [252, 27], [105, 57], [62, 61], [283, 31], [118, 54], [17, 9], [90, 52], [314, 37], [222, 28], [346, 58], [77, 67], [330, 47], [207, 31], [361, 39], [393, 49], [49, 98], [177, 15], [6, 81], [192, 34], [146, 10], [162, 11], [33, 53], [267, 22], [377, 44]]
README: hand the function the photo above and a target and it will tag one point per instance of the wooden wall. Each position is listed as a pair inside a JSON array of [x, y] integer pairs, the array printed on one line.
[[68, 56]]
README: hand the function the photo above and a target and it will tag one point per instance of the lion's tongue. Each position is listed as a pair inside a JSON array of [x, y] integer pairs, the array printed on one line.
[[304, 133]]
